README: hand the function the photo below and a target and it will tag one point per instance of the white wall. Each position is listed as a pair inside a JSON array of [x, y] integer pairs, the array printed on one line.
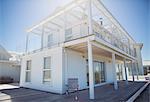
[[65, 64], [139, 59], [76, 68], [37, 73], [56, 38], [59, 36], [109, 72], [9, 70]]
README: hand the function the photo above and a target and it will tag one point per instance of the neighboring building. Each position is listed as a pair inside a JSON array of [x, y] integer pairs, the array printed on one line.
[[9, 68], [146, 66], [80, 40]]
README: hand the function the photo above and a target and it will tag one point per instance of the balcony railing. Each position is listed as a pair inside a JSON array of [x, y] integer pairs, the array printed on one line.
[[105, 35], [101, 33], [81, 30]]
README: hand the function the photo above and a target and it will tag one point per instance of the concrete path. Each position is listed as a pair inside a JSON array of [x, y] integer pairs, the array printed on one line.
[[105, 93], [9, 86]]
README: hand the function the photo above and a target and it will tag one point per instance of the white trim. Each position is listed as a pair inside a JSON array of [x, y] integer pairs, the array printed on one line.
[[45, 70]]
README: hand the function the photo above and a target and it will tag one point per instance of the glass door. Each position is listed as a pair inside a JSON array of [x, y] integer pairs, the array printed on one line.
[[99, 72]]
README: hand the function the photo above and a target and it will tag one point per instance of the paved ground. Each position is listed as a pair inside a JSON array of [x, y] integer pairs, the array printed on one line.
[[9, 86], [145, 96], [104, 93]]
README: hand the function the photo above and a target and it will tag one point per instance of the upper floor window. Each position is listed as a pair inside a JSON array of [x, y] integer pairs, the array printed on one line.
[[68, 34], [47, 70], [50, 40], [28, 71], [135, 54]]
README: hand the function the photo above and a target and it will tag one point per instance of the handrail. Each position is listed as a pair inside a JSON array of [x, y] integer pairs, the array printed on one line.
[[99, 31]]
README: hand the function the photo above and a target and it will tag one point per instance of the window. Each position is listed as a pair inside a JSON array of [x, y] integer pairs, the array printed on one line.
[[119, 71], [68, 34], [50, 40], [47, 70], [28, 71]]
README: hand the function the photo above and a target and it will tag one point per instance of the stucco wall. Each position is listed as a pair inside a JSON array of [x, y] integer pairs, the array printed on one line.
[[37, 70]]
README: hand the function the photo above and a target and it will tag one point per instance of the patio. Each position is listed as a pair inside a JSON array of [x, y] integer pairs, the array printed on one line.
[[105, 93]]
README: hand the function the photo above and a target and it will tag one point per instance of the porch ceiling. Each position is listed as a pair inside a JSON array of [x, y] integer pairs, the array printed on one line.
[[82, 48]]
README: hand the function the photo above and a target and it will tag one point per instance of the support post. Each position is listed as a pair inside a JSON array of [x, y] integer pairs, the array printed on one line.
[[132, 70], [137, 73], [90, 17], [125, 67], [42, 36], [91, 75], [90, 57], [114, 71], [27, 41]]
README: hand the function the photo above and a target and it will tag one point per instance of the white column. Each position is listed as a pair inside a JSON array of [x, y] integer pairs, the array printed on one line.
[[42, 36], [114, 71], [27, 41], [90, 57], [132, 69], [91, 72], [90, 17], [136, 67], [125, 67], [138, 47]]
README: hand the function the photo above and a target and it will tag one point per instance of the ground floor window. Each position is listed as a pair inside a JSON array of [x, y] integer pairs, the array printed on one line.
[[47, 70], [28, 71], [99, 72], [119, 71]]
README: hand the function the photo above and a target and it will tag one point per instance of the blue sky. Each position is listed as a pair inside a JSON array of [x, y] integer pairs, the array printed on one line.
[[18, 15]]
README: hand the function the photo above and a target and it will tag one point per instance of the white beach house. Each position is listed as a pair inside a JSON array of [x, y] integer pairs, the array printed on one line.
[[80, 40]]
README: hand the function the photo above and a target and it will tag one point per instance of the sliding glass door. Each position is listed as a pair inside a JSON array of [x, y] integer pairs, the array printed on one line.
[[99, 72]]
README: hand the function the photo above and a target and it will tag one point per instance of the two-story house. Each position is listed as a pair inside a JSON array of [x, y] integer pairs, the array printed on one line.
[[80, 40]]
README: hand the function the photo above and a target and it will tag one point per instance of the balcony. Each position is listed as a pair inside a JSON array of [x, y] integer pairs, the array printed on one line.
[[80, 30], [72, 22], [103, 34]]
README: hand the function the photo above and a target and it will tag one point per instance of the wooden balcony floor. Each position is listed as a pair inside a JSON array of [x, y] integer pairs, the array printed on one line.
[[105, 93]]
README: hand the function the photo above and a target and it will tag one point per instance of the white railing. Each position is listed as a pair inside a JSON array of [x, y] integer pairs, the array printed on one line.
[[102, 33], [110, 38], [81, 30]]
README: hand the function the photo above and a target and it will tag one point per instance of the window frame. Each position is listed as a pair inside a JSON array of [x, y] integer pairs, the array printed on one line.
[[28, 70], [68, 34], [50, 41], [47, 69]]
